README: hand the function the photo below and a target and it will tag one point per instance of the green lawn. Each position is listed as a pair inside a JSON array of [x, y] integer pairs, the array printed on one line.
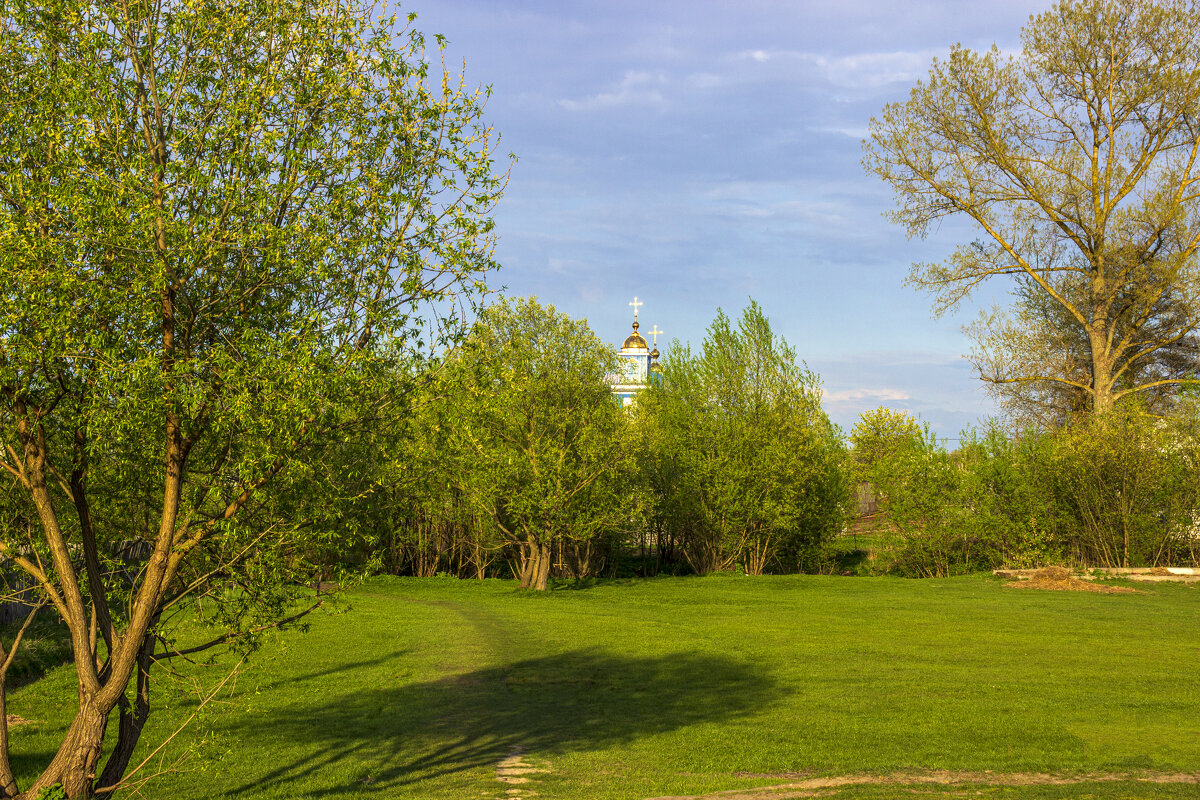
[[682, 686]]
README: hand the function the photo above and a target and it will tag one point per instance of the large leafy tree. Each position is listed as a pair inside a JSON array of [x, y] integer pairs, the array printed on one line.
[[743, 461], [218, 229], [1076, 161], [538, 441], [1038, 337]]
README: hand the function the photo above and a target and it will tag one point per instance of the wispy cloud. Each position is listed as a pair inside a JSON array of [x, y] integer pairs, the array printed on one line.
[[873, 70], [856, 133], [655, 88], [855, 71], [636, 87], [861, 394]]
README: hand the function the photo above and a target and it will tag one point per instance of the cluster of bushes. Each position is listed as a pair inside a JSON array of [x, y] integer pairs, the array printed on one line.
[[1118, 489], [742, 466], [516, 459]]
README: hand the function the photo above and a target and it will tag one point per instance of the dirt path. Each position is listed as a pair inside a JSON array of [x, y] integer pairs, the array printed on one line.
[[490, 646], [514, 772], [816, 787]]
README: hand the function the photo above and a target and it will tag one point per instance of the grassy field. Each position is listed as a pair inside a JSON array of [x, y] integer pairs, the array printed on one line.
[[440, 688]]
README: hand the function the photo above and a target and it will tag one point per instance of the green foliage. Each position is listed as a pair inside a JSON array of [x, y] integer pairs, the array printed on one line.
[[1114, 489], [536, 442], [880, 435], [55, 792], [743, 464], [226, 237], [980, 507], [1126, 483]]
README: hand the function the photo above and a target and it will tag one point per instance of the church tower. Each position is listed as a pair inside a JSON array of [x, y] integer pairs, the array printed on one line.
[[637, 362]]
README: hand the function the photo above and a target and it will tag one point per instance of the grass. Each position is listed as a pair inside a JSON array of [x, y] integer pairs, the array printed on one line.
[[45, 645], [681, 686]]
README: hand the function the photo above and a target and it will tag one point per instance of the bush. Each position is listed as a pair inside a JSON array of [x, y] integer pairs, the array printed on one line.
[[1114, 489], [1125, 483], [977, 508], [743, 465]]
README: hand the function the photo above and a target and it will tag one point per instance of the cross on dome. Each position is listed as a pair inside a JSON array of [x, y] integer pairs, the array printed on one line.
[[638, 362]]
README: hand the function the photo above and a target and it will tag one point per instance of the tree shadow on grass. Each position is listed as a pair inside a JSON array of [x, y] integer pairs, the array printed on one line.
[[27, 764], [317, 677], [583, 700]]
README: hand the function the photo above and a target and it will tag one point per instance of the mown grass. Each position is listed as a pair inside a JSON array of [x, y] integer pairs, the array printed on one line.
[[644, 688], [46, 644]]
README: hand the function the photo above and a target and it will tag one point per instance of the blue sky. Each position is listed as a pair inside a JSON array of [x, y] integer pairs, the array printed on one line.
[[696, 154]]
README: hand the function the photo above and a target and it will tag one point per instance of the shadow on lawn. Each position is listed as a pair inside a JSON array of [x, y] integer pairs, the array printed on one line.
[[581, 700]]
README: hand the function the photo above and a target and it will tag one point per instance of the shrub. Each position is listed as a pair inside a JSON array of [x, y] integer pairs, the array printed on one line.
[[974, 509], [1113, 489], [1126, 484], [743, 464]]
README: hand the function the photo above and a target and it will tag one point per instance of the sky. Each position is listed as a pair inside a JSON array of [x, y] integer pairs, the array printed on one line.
[[696, 154]]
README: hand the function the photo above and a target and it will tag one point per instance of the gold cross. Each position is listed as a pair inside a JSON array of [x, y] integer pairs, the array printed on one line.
[[635, 305], [655, 333]]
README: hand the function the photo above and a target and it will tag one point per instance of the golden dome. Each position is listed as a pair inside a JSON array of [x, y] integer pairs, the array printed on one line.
[[635, 341]]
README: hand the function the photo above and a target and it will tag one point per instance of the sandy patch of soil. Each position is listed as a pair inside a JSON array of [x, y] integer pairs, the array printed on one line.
[[14, 720], [1058, 579], [816, 787], [514, 773]]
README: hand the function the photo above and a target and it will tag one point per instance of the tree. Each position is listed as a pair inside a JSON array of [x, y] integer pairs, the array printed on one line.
[[539, 443], [220, 230], [1038, 337], [880, 434], [1076, 161], [982, 506], [744, 463]]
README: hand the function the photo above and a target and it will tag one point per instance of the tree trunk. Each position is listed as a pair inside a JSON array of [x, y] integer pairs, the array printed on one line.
[[583, 560], [8, 781], [525, 552], [535, 565], [1102, 377], [542, 573], [132, 720], [74, 765]]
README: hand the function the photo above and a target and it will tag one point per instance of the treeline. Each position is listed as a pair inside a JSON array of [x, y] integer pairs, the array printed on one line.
[[516, 459], [1118, 489], [513, 459]]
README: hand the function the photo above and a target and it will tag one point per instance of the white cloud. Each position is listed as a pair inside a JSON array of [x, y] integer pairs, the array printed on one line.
[[873, 70], [813, 205], [636, 87], [856, 134], [858, 395], [855, 71], [653, 88]]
